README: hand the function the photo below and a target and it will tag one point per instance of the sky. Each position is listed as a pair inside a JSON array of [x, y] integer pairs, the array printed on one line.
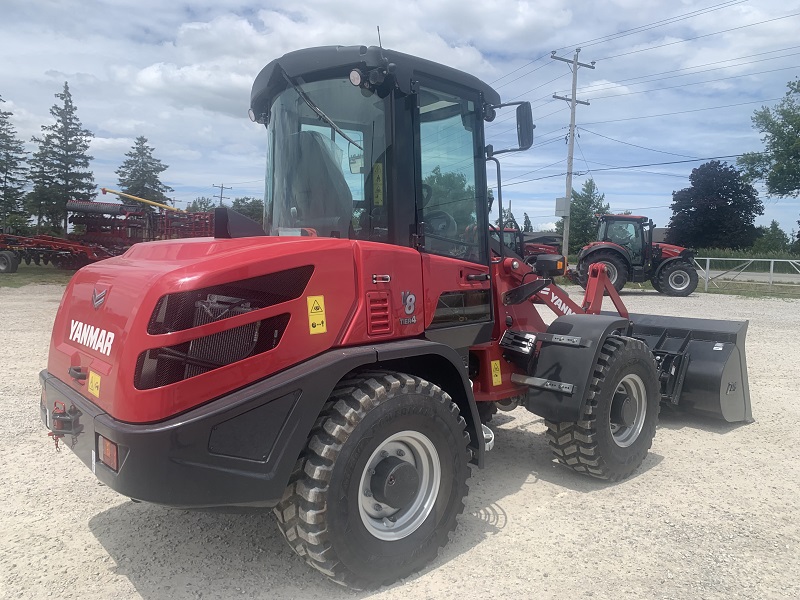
[[673, 82]]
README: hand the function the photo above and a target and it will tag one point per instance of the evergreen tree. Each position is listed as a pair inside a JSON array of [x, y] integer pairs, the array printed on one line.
[[139, 174], [526, 223], [582, 220], [59, 169], [12, 170]]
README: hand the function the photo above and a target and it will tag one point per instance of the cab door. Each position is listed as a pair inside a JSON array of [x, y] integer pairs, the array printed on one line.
[[452, 213]]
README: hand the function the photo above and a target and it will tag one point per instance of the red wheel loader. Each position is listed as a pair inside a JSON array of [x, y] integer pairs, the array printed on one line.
[[339, 365]]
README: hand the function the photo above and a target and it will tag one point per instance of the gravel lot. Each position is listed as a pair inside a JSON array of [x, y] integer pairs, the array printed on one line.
[[712, 513]]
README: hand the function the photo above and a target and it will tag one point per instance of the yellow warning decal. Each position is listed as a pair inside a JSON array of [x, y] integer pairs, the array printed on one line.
[[377, 184], [497, 377], [316, 315], [94, 384]]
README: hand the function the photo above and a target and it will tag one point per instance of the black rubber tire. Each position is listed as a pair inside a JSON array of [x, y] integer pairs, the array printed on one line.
[[589, 446], [656, 284], [610, 258], [678, 270], [8, 262], [319, 512]]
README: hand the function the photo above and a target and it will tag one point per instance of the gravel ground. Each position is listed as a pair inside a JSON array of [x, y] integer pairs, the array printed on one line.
[[712, 513]]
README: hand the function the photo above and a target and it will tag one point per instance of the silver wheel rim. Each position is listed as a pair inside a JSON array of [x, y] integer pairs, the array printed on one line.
[[612, 271], [633, 387], [679, 280], [392, 524]]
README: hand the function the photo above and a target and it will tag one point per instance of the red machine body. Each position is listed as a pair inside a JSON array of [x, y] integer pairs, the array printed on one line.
[[341, 364]]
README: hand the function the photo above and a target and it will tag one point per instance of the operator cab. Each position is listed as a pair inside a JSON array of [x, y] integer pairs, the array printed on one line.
[[629, 232], [371, 144]]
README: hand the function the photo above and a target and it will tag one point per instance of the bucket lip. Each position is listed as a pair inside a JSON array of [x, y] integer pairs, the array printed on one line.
[[701, 328]]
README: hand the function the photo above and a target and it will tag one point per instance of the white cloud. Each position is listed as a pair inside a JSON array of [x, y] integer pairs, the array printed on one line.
[[180, 75]]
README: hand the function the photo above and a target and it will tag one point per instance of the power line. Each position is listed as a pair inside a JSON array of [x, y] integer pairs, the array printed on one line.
[[681, 112], [634, 145], [683, 85], [621, 34], [674, 162], [696, 37], [656, 24], [631, 80]]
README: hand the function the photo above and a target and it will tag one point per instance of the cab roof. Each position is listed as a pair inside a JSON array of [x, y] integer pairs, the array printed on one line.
[[318, 63]]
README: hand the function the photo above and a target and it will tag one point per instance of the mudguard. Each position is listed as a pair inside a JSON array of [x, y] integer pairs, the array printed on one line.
[[568, 356]]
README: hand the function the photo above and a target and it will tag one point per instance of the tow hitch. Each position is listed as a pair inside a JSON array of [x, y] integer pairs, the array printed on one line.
[[62, 422]]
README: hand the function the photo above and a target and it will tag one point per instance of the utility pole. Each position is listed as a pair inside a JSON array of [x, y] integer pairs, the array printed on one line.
[[573, 102], [222, 188]]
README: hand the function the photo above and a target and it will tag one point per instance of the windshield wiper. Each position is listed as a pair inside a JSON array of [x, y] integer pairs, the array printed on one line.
[[319, 112]]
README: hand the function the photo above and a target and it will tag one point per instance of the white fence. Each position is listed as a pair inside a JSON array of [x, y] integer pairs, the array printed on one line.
[[728, 273]]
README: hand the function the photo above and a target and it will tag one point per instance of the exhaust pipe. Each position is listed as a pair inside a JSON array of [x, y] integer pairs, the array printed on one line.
[[702, 363]]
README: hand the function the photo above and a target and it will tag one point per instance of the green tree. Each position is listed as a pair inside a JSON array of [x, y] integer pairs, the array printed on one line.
[[509, 220], [771, 240], [59, 169], [249, 207], [12, 170], [526, 222], [717, 211], [582, 220], [448, 192], [779, 164], [139, 174], [201, 204]]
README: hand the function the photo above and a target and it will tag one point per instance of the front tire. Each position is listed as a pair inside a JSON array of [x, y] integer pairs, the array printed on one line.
[[378, 488], [678, 278], [619, 420], [616, 269]]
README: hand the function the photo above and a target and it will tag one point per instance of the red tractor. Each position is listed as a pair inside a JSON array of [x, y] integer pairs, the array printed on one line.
[[625, 246], [341, 366]]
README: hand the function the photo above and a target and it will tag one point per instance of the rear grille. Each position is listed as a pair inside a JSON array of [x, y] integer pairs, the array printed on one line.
[[176, 312], [170, 364]]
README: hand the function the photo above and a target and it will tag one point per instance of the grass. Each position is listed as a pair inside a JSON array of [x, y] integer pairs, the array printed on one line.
[[32, 274]]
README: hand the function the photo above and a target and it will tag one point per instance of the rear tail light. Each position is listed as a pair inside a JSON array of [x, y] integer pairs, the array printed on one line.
[[108, 453]]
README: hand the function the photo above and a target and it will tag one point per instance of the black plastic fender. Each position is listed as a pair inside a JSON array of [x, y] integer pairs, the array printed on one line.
[[621, 250], [686, 256], [569, 361]]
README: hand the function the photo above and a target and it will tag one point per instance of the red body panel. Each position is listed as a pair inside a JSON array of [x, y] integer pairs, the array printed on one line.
[[669, 250], [135, 281]]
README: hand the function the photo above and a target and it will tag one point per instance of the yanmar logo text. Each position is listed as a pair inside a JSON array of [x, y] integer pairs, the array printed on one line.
[[92, 337]]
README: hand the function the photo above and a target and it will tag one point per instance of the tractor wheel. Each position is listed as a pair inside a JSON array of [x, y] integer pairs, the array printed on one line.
[[619, 420], [8, 262], [616, 269], [656, 284], [381, 481], [678, 278]]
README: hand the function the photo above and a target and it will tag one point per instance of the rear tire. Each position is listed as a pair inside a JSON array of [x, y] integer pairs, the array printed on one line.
[[373, 428], [678, 278], [618, 423], [616, 269], [8, 262]]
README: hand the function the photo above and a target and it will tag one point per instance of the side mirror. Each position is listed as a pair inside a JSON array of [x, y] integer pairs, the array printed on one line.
[[525, 128]]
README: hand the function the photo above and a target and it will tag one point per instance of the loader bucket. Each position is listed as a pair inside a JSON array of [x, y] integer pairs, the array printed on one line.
[[702, 363]]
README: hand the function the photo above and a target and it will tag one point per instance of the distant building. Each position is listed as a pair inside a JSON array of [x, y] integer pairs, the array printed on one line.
[[660, 234]]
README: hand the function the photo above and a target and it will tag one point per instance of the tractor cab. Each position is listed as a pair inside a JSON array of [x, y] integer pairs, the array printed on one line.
[[634, 234]]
